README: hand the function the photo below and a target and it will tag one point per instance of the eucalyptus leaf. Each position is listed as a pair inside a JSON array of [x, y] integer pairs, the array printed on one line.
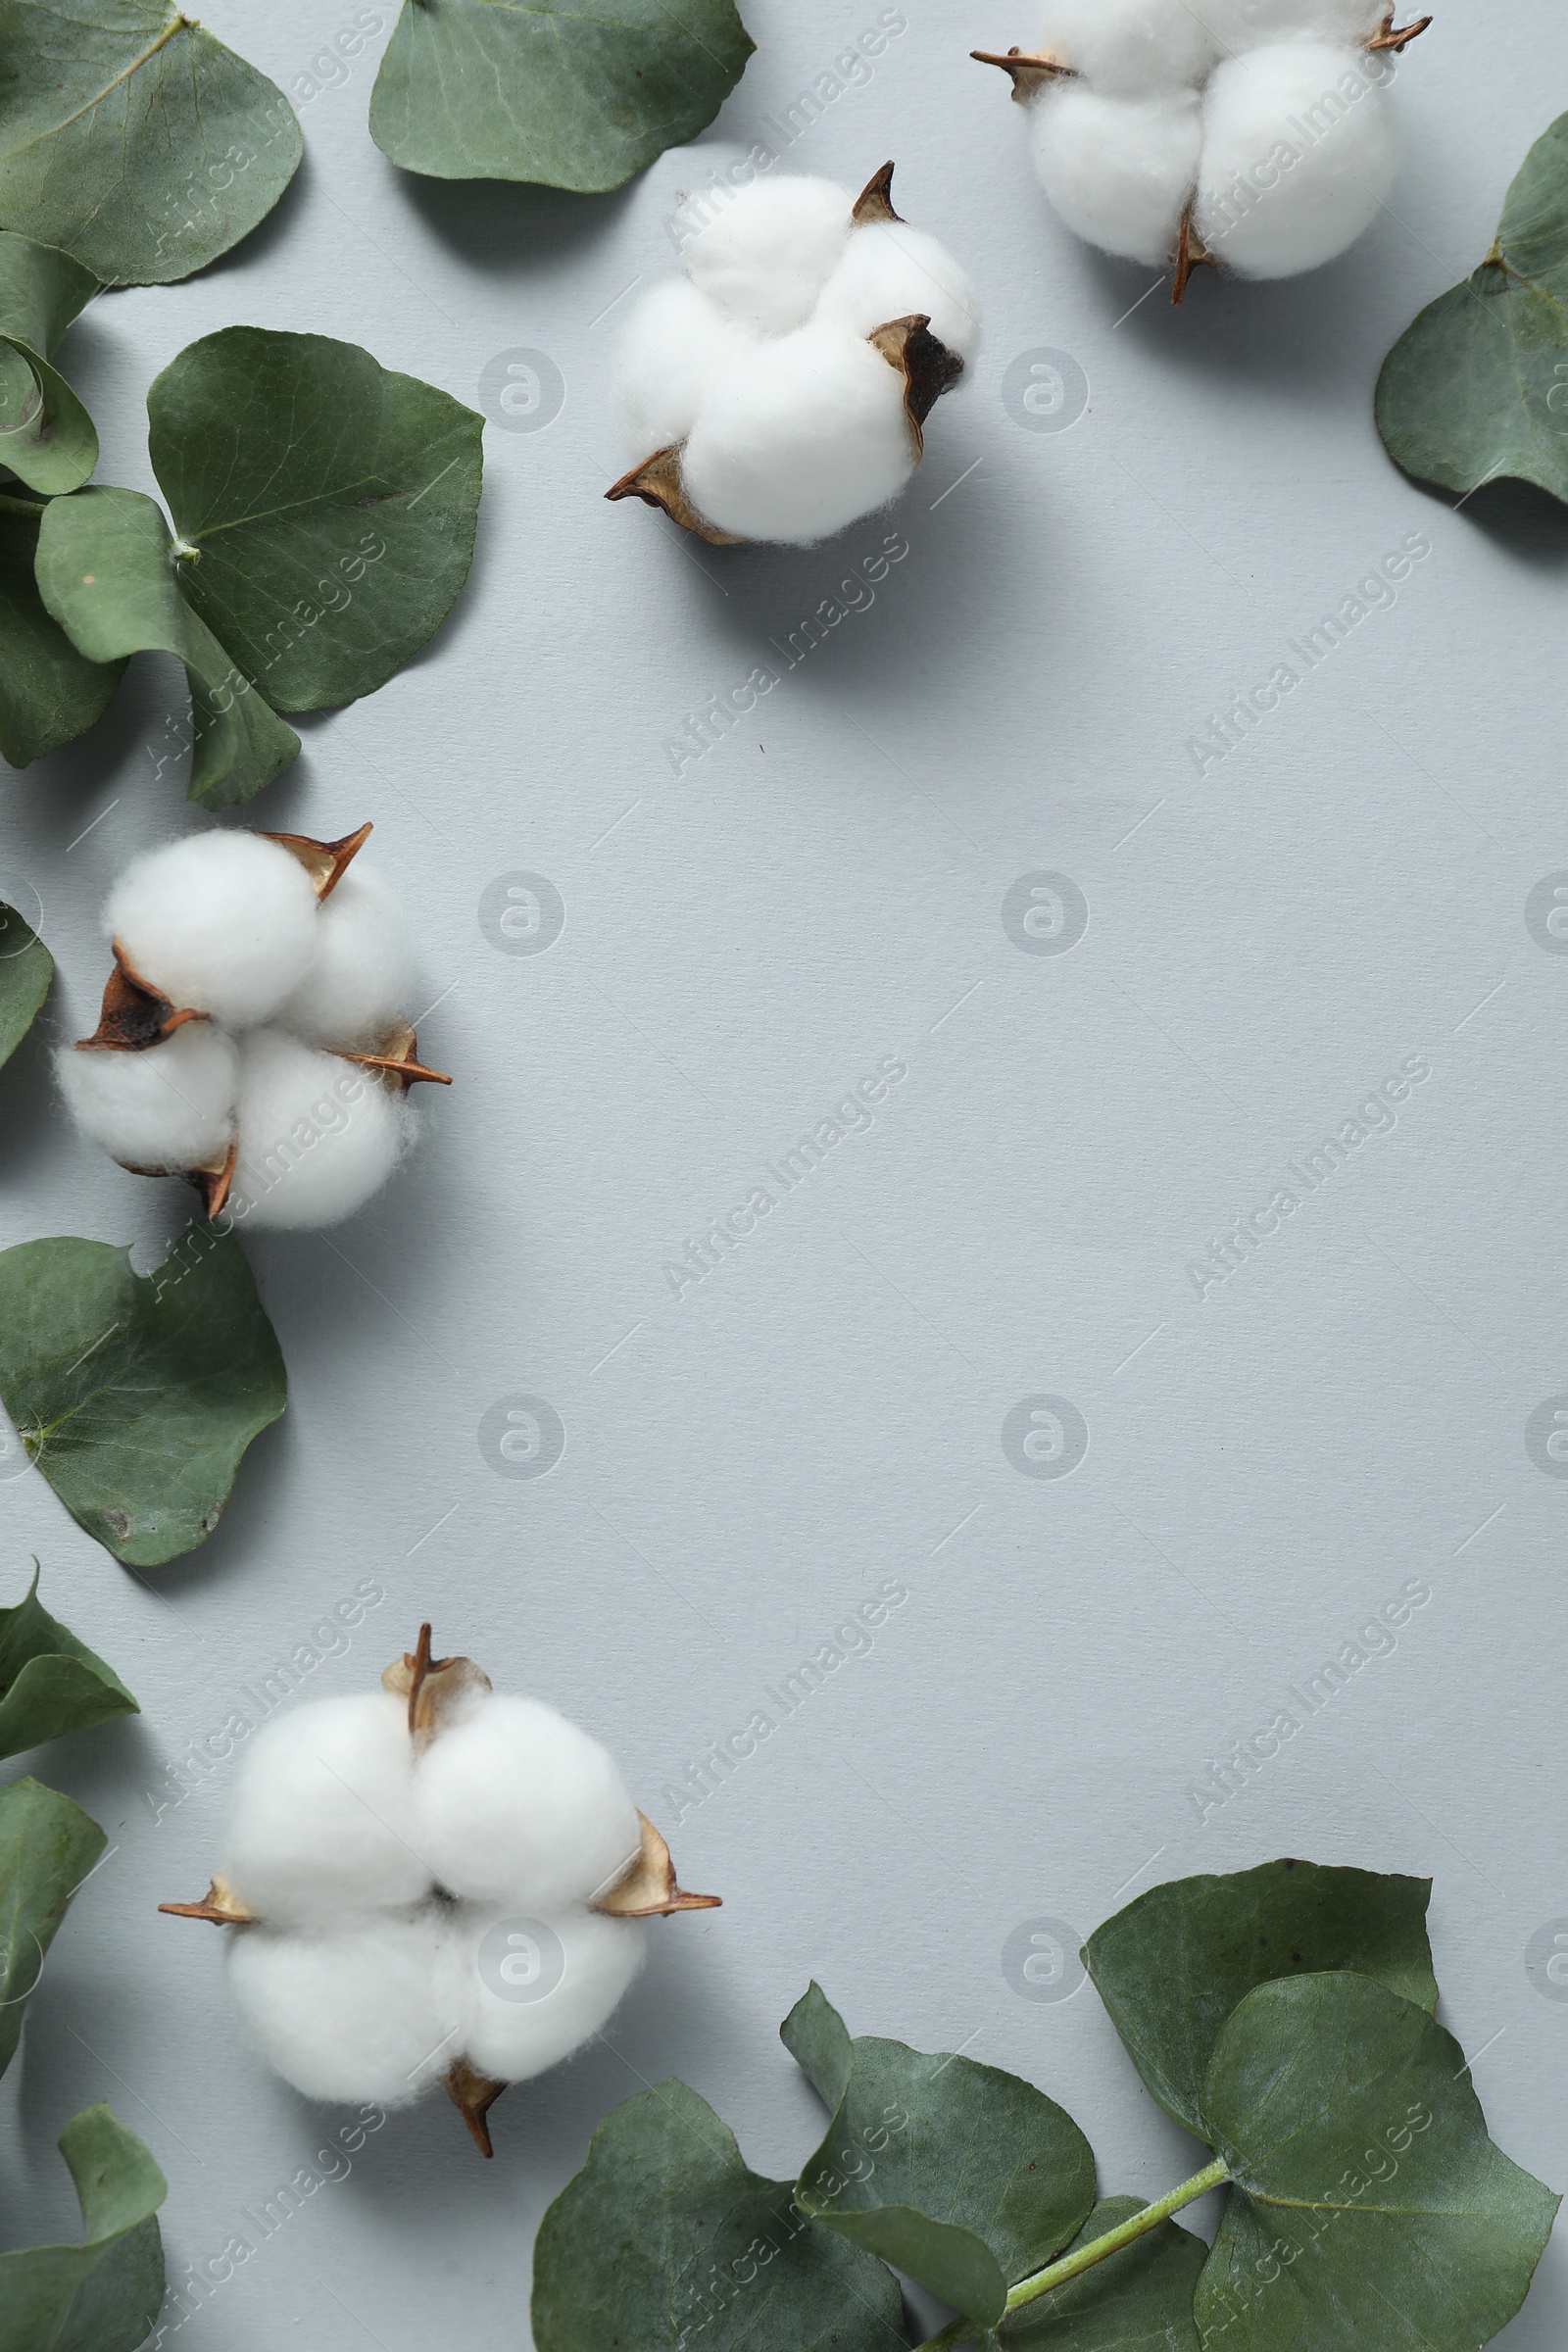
[[105, 2294], [328, 506], [50, 1683], [1136, 2300], [137, 1395], [27, 968], [1477, 388], [579, 97], [109, 575], [46, 435], [1370, 2207], [49, 692], [48, 1846], [667, 2240], [819, 2041], [133, 139], [1171, 1966], [960, 2175]]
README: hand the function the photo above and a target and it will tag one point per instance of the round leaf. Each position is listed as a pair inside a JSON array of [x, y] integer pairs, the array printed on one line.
[[329, 505], [1175, 1963], [1370, 2207], [108, 574], [961, 2176], [27, 968], [137, 1395], [580, 97], [50, 1683], [133, 139], [666, 2238], [48, 1846], [50, 692], [1478, 387]]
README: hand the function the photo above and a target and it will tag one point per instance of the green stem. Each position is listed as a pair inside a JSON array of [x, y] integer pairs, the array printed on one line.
[[1084, 2258]]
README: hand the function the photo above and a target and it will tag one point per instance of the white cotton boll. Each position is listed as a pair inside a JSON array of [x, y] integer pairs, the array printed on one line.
[[1119, 171], [804, 436], [516, 1806], [765, 253], [1263, 217], [1239, 24], [530, 1990], [891, 271], [675, 344], [359, 975], [1131, 45], [353, 2012], [317, 1136], [323, 1819], [222, 923], [171, 1107]]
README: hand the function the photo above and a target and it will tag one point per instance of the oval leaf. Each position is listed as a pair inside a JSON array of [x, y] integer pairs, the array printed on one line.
[[49, 692], [1370, 2207], [961, 2176], [137, 1395], [104, 2295], [27, 968], [48, 1846], [580, 97], [1173, 1965], [667, 2239], [108, 574], [1478, 387], [1136, 2300], [50, 1683], [819, 2041], [46, 435], [329, 507], [134, 141]]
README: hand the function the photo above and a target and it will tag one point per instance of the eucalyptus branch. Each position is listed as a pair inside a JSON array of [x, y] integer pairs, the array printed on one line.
[[1084, 2258]]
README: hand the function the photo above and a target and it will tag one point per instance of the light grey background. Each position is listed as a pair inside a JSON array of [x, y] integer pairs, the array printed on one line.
[[742, 944]]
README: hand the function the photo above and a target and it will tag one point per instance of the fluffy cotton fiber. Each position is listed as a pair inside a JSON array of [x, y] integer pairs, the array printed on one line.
[[419, 1904], [229, 924], [317, 1136], [757, 365], [1266, 119], [165, 1110]]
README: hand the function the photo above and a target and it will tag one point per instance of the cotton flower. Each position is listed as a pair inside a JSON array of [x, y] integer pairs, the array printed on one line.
[[252, 1038], [778, 390], [1255, 135], [431, 1882]]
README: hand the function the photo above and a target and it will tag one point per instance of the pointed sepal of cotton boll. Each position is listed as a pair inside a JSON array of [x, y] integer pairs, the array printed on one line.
[[437, 1693], [220, 1907], [326, 863], [222, 923], [1031, 70], [348, 2011], [650, 1888]]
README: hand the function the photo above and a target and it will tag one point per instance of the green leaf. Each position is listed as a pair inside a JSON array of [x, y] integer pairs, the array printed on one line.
[[1370, 2207], [46, 435], [1138, 2300], [49, 692], [27, 968], [960, 2175], [108, 575], [819, 2041], [580, 97], [137, 1395], [330, 505], [104, 2295], [50, 1683], [133, 139], [48, 1846], [1173, 1965], [1478, 387], [666, 2238]]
